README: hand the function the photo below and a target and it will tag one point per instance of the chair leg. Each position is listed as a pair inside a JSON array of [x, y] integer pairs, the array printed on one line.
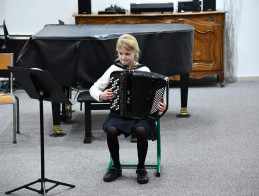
[[88, 123], [158, 150], [17, 115], [110, 164], [14, 120]]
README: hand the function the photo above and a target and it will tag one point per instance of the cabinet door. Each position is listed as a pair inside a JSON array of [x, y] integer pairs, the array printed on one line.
[[207, 46]]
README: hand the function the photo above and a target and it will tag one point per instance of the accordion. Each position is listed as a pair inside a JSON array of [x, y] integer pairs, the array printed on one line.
[[137, 94]]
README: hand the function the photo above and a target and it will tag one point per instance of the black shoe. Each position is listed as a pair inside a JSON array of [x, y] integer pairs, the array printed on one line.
[[112, 174], [142, 176]]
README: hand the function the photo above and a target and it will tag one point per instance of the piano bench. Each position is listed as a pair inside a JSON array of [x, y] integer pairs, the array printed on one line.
[[90, 104]]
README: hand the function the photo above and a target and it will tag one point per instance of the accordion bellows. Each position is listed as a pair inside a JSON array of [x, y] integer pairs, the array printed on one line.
[[137, 93]]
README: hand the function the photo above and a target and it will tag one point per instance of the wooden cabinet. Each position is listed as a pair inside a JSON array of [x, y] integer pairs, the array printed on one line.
[[208, 55]]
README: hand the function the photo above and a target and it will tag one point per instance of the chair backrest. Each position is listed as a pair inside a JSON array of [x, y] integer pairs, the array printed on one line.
[[6, 59]]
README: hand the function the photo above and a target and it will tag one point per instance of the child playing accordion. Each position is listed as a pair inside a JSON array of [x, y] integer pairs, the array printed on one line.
[[128, 52]]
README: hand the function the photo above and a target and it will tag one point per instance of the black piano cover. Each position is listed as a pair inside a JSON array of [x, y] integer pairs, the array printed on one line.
[[80, 54]]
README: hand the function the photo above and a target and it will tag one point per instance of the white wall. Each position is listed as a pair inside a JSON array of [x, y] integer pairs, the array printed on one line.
[[2, 7], [26, 17], [248, 40]]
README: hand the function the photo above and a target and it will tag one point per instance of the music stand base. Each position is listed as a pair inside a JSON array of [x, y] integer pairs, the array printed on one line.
[[43, 190]]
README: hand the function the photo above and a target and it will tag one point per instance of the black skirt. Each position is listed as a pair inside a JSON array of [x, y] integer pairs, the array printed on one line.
[[127, 126]]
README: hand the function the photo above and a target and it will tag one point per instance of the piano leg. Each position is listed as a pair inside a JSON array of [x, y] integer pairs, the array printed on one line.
[[66, 114], [66, 109], [184, 95], [56, 120], [88, 123]]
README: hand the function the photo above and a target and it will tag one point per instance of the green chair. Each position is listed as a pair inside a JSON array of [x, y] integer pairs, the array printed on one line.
[[153, 166]]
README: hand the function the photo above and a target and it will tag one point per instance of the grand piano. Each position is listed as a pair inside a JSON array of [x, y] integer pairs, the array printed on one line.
[[80, 54]]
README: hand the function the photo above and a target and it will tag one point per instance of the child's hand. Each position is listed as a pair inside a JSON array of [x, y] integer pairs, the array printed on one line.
[[107, 95], [161, 106]]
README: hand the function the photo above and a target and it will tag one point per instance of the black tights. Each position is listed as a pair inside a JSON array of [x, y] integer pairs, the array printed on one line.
[[113, 145]]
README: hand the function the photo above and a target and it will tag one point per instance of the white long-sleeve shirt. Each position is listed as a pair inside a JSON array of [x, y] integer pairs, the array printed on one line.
[[100, 85]]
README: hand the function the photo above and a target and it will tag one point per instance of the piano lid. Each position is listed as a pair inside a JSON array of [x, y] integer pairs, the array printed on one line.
[[106, 31]]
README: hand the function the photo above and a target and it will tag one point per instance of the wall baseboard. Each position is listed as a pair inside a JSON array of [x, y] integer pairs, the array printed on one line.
[[252, 78]]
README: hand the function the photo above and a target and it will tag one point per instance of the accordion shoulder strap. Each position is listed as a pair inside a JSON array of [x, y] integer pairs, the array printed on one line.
[[118, 64]]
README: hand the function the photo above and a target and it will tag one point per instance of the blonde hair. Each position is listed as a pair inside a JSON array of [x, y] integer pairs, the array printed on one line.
[[129, 43]]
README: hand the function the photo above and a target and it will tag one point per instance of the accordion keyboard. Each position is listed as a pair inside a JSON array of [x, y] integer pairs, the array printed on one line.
[[158, 97], [115, 88]]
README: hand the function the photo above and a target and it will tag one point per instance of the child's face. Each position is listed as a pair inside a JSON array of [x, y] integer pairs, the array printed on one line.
[[126, 57]]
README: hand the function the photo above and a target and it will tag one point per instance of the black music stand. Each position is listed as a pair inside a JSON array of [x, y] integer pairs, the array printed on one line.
[[40, 85]]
